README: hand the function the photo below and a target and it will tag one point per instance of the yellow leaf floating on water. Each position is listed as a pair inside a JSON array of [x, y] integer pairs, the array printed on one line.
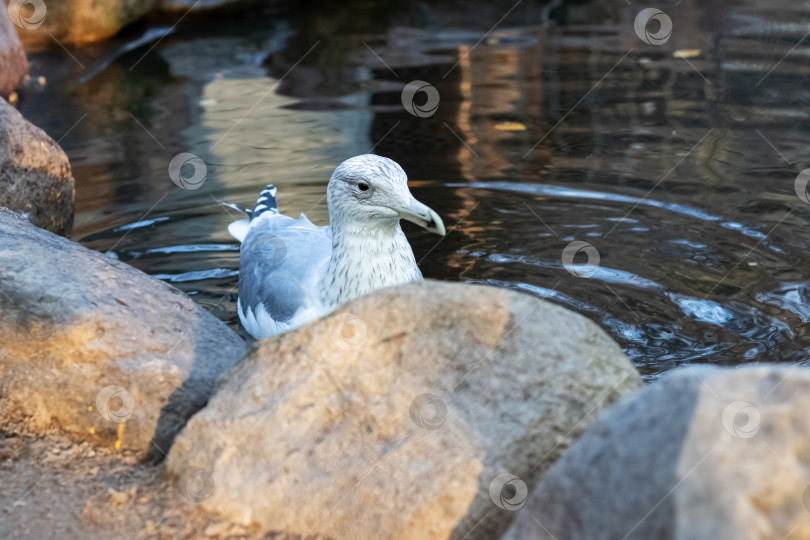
[[686, 53], [510, 126]]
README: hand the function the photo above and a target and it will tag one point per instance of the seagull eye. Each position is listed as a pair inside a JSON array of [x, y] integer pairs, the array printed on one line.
[[362, 186]]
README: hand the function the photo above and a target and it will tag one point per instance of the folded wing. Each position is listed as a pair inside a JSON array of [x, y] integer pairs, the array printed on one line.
[[282, 262]]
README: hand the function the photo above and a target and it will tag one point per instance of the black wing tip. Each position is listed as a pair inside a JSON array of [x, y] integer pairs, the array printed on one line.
[[266, 202]]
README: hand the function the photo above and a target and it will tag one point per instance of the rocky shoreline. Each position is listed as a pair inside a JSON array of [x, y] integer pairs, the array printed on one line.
[[432, 388], [430, 410]]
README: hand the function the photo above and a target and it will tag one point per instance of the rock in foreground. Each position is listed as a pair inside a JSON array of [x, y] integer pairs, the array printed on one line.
[[703, 454], [13, 64], [96, 348], [422, 411], [35, 178]]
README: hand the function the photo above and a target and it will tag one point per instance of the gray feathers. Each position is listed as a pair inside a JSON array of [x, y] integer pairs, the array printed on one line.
[[292, 271]]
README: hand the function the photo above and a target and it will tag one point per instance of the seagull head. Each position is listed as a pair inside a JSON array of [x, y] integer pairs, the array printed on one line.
[[372, 191]]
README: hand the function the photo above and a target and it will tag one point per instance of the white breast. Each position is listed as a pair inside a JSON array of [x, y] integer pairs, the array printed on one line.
[[363, 263]]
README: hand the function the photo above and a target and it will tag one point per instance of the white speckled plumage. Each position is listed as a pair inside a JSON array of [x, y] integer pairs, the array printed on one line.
[[292, 271]]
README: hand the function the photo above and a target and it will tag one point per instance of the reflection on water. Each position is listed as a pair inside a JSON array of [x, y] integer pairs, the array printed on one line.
[[678, 168]]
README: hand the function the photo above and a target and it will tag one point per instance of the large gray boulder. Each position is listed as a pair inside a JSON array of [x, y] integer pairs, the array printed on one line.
[[92, 347], [13, 64], [35, 178], [422, 411], [703, 454]]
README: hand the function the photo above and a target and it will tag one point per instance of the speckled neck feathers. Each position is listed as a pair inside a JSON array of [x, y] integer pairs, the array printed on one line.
[[366, 258]]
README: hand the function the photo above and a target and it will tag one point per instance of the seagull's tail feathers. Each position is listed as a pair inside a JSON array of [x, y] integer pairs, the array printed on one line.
[[239, 229], [266, 202]]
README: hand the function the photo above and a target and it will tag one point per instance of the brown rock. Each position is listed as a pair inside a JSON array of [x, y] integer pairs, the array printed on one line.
[[35, 178], [75, 22], [702, 454], [95, 348], [13, 64], [399, 415]]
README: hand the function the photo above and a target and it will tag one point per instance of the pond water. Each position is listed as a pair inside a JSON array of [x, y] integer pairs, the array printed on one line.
[[674, 165]]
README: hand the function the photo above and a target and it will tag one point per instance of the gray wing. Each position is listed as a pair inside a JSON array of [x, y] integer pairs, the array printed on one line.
[[282, 262]]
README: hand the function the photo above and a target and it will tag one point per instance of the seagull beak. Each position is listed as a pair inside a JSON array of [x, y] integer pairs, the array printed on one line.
[[423, 216]]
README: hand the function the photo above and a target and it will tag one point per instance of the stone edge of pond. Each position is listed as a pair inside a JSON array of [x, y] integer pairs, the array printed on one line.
[[35, 174], [96, 348]]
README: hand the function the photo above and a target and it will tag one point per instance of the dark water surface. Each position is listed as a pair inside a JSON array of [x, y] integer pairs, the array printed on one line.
[[677, 162]]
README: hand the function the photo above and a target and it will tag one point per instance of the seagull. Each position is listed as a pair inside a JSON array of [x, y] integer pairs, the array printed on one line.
[[292, 271]]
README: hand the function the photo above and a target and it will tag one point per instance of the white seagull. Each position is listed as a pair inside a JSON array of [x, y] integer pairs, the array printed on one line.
[[292, 271]]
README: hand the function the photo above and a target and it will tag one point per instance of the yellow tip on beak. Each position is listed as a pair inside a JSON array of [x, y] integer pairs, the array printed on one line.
[[423, 216]]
